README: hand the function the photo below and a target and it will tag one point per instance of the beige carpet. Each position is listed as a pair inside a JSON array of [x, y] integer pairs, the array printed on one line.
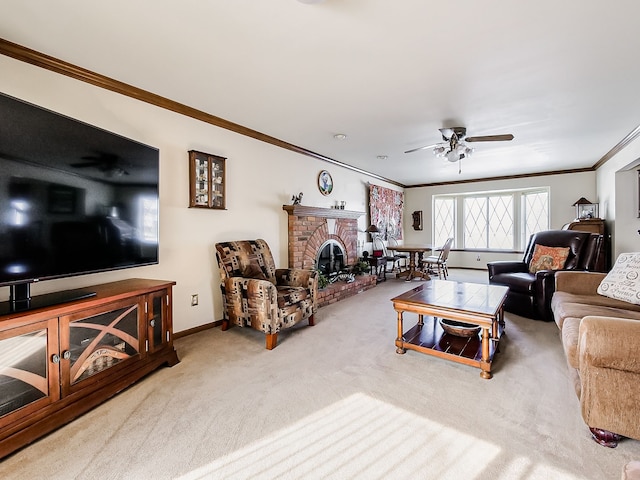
[[336, 401]]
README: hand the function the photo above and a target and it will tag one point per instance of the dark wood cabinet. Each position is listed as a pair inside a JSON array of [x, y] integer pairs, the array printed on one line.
[[58, 362], [593, 225], [207, 180]]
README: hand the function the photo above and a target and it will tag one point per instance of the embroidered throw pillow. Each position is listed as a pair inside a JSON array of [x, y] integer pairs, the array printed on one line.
[[548, 258], [623, 281]]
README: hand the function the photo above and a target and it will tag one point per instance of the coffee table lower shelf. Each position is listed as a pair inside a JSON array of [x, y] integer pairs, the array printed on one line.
[[431, 339]]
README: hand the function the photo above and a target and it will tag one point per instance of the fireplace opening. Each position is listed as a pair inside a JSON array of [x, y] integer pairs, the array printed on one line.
[[330, 260]]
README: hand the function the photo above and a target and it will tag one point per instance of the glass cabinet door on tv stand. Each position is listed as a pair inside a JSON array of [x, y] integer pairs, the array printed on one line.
[[99, 339], [29, 378], [207, 180]]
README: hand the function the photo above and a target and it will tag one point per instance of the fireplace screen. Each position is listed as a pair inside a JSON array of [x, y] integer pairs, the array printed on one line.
[[331, 258]]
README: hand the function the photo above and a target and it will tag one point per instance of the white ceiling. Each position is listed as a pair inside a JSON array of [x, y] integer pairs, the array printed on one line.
[[561, 76]]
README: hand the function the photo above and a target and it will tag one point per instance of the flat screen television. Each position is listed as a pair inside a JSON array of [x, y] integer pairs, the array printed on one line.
[[74, 199]]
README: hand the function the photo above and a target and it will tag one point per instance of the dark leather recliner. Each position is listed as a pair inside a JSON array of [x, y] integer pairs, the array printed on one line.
[[530, 293]]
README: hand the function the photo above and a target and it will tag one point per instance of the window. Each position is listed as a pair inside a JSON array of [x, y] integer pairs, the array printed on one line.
[[501, 220]]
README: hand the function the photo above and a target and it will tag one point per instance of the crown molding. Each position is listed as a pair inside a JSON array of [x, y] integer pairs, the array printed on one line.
[[630, 137], [506, 177], [56, 65]]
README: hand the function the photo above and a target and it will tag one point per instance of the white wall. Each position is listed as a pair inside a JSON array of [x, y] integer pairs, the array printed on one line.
[[260, 179], [564, 191], [617, 182]]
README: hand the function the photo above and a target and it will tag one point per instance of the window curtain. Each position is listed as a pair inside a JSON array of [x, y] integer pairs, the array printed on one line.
[[385, 208]]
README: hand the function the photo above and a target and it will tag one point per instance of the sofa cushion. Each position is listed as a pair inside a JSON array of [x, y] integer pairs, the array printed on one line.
[[631, 470], [599, 300], [566, 310], [548, 258], [570, 330], [623, 281]]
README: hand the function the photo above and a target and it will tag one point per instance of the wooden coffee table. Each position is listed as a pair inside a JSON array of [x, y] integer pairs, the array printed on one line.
[[471, 303]]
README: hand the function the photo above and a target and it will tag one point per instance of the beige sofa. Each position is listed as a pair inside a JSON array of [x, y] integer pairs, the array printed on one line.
[[601, 340]]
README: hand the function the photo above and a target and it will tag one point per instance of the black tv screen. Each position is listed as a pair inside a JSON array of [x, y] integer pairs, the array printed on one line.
[[74, 198]]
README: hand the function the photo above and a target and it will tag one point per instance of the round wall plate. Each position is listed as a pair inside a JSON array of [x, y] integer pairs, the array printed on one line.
[[325, 182]]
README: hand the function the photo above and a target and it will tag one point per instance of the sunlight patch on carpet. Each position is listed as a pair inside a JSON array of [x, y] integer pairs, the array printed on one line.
[[363, 437]]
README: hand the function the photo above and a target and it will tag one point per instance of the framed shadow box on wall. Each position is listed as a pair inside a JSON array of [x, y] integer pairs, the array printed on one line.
[[207, 180]]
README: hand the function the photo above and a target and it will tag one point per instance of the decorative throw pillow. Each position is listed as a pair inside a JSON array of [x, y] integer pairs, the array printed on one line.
[[548, 258], [253, 270], [249, 264], [623, 281]]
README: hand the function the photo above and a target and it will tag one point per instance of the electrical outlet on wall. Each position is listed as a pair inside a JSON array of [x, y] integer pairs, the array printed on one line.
[[194, 299]]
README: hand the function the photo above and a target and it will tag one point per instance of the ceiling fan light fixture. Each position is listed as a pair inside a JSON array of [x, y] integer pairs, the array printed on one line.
[[454, 144], [453, 155], [439, 151]]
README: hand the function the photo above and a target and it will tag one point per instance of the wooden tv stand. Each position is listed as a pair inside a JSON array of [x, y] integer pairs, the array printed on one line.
[[59, 362]]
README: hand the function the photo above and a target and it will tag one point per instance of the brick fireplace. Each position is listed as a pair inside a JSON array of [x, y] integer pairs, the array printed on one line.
[[309, 229]]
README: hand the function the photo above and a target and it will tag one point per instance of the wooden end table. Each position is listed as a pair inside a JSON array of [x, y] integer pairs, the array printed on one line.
[[471, 303]]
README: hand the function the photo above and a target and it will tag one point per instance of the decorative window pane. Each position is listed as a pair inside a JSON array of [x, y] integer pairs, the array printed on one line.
[[443, 219], [536, 213], [501, 222], [475, 222]]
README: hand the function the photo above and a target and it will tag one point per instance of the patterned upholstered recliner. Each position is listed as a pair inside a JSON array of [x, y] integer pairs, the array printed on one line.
[[256, 294]]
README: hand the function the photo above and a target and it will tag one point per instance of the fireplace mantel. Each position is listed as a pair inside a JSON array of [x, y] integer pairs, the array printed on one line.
[[304, 211]]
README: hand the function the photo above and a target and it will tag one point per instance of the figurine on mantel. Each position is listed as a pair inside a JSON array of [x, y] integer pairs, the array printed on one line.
[[296, 199]]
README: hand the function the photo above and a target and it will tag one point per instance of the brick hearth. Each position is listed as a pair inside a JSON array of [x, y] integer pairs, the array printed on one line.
[[309, 228], [334, 292]]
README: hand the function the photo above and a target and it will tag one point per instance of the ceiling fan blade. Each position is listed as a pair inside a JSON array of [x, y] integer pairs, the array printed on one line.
[[490, 138], [422, 148]]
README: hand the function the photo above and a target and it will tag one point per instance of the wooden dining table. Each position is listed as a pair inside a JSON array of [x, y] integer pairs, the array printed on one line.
[[416, 264]]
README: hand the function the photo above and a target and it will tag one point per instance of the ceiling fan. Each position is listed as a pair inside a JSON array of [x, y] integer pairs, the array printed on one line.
[[454, 143], [107, 163]]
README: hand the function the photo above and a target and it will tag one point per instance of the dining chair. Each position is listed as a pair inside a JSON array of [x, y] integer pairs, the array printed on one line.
[[380, 250], [400, 259], [438, 263]]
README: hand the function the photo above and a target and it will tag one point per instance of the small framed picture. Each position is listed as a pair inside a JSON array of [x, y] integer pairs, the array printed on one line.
[[325, 182]]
